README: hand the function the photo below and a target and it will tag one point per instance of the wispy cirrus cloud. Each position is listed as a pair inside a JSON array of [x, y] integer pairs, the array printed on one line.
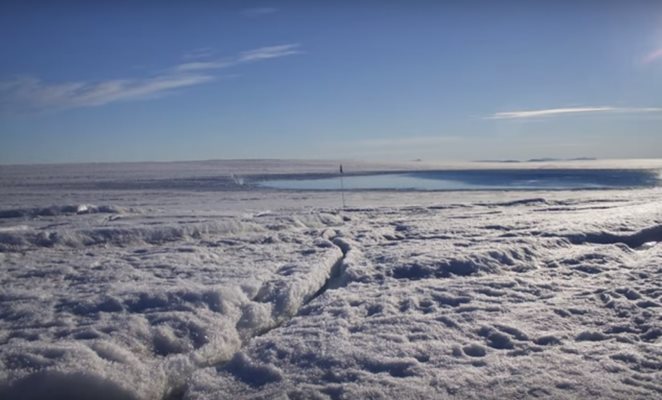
[[655, 55], [556, 112], [259, 54], [265, 53], [25, 94]]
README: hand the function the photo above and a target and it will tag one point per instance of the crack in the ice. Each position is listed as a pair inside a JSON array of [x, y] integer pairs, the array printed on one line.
[[337, 277], [335, 280]]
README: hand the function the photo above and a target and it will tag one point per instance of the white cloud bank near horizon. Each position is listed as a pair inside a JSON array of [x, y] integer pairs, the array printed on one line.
[[552, 112], [26, 94]]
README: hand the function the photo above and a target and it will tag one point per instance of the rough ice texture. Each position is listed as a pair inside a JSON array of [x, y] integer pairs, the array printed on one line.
[[168, 293]]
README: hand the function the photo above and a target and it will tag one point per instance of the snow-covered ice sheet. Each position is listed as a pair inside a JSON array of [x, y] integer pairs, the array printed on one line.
[[162, 292], [145, 302]]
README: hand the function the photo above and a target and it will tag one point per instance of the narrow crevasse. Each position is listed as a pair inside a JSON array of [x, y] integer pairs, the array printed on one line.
[[284, 299]]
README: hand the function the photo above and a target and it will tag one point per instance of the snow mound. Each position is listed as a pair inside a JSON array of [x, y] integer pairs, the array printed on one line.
[[118, 235], [635, 240], [133, 307], [62, 386], [438, 302], [60, 210]]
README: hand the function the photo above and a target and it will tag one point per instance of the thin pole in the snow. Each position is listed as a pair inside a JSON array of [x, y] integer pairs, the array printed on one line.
[[342, 187]]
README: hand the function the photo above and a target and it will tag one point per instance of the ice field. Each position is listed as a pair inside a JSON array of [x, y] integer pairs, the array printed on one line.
[[187, 281]]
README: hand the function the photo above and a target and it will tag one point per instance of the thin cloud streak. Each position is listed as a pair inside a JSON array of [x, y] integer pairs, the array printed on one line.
[[652, 56], [265, 53], [553, 112], [28, 94], [202, 66], [259, 54]]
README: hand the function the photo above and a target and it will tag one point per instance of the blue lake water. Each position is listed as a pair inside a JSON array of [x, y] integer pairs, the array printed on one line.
[[478, 180]]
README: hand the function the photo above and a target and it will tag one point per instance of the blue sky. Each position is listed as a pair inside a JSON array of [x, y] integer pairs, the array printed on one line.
[[131, 81]]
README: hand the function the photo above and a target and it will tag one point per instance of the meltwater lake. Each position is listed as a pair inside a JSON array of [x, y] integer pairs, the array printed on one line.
[[506, 179]]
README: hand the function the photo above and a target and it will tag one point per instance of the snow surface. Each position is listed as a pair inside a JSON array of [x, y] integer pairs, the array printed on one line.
[[179, 281]]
